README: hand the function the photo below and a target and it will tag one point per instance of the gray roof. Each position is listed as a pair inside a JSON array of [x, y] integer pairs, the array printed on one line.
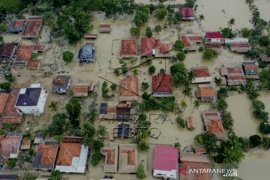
[[29, 98], [60, 84], [87, 53]]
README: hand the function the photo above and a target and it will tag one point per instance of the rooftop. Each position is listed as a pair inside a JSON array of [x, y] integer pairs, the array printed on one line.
[[111, 157], [7, 50], [165, 158], [33, 27], [3, 101], [29, 96], [206, 91], [129, 86], [10, 145], [186, 12], [213, 35], [79, 89], [128, 47], [61, 83], [33, 64], [201, 72], [16, 26], [87, 53], [128, 158], [24, 52], [147, 46], [162, 83]]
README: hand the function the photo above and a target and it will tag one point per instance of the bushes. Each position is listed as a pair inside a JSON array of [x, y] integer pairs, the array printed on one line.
[[148, 32], [259, 112], [144, 86], [181, 122], [151, 69], [160, 12], [5, 86], [68, 56], [140, 172], [255, 141], [265, 128], [209, 54], [181, 56], [135, 31]]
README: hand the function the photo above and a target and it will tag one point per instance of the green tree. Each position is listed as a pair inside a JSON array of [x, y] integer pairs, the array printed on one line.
[[101, 131], [231, 22], [227, 121], [140, 172], [222, 104], [265, 128], [11, 163], [181, 122], [6, 86], [157, 29], [105, 90], [29, 176], [227, 33], [151, 69], [190, 3], [73, 109], [141, 15], [260, 114], [56, 175], [1, 39], [53, 106], [178, 45], [135, 31], [244, 143], [266, 143], [160, 12], [96, 158], [58, 124], [68, 56], [181, 56], [88, 133], [144, 86], [148, 32], [113, 87], [209, 54], [255, 141]]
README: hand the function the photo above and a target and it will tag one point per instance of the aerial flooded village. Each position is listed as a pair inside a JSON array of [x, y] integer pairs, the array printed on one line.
[[134, 89]]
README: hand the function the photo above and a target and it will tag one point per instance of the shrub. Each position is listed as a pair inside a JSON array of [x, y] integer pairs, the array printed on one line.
[[68, 56], [255, 141], [181, 56], [181, 122], [178, 45], [5, 86], [157, 28], [148, 32], [265, 128], [113, 87], [151, 70], [140, 172], [160, 12], [135, 31], [209, 54], [144, 86], [11, 163]]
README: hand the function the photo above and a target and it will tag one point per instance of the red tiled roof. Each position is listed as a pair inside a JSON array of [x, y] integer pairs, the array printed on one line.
[[81, 88], [128, 47], [39, 48], [250, 66], [104, 26], [3, 101], [188, 39], [186, 12], [18, 23], [90, 36], [147, 46], [191, 122], [10, 145], [207, 91], [32, 29], [215, 126], [67, 152], [165, 158], [201, 72], [241, 45], [162, 83], [24, 52], [213, 35], [48, 154], [7, 49], [33, 64], [235, 70], [129, 86]]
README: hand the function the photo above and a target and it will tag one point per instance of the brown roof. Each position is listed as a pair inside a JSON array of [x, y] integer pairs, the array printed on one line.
[[90, 36], [128, 158], [162, 83], [3, 101], [26, 143], [24, 52], [250, 66], [33, 27], [33, 64], [81, 89], [10, 145], [48, 154], [201, 72], [191, 122], [67, 152], [129, 86], [206, 91], [7, 49], [128, 47], [11, 113]]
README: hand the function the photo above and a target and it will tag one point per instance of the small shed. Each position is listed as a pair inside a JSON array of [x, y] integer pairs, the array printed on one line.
[[191, 123], [104, 28], [90, 36]]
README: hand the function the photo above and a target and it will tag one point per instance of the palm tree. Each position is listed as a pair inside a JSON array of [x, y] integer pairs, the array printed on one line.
[[201, 17], [196, 104], [183, 104], [231, 22], [53, 106]]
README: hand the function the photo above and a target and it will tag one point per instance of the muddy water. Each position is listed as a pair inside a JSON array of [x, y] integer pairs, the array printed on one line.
[[264, 6]]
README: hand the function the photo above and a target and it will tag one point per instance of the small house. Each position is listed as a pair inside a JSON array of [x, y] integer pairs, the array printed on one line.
[[187, 13], [81, 89], [241, 47], [191, 42], [213, 37], [110, 151], [24, 54], [201, 75], [104, 28], [90, 36], [16, 26], [128, 89], [87, 54], [234, 76], [32, 27], [191, 123], [26, 144], [10, 146], [251, 69], [162, 85], [206, 93], [128, 48], [7, 52], [214, 46], [128, 158], [122, 130], [61, 84]]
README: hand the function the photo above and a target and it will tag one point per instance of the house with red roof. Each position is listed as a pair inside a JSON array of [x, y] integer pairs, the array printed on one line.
[[128, 89], [128, 48], [214, 46], [187, 13], [251, 69], [104, 28], [16, 26], [24, 55], [162, 85], [191, 42], [165, 162], [213, 37], [201, 75], [213, 124], [128, 158], [190, 162], [8, 51], [10, 146], [154, 47], [32, 27], [206, 93], [233, 76], [110, 151], [82, 89]]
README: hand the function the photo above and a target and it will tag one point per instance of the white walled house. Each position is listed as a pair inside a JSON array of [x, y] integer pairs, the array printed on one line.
[[32, 100]]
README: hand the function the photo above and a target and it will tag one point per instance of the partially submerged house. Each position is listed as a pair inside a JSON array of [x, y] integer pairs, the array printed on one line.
[[190, 161], [104, 28], [26, 143], [251, 69], [233, 76], [201, 75], [61, 84], [24, 53], [32, 100], [191, 42], [206, 93], [213, 124], [241, 47], [128, 89], [46, 156], [8, 112], [214, 46], [32, 27], [128, 158], [122, 130], [162, 85], [72, 156], [16, 26], [8, 51], [187, 13], [128, 48], [191, 123], [213, 37], [154, 47], [90, 36], [10, 146], [82, 89], [110, 151], [165, 162], [87, 54]]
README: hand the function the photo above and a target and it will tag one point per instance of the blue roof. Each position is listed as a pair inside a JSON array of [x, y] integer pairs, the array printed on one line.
[[29, 98], [103, 108], [13, 29], [87, 53], [123, 130]]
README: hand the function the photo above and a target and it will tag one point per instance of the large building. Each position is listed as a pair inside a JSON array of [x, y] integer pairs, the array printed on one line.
[[165, 162], [32, 100]]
